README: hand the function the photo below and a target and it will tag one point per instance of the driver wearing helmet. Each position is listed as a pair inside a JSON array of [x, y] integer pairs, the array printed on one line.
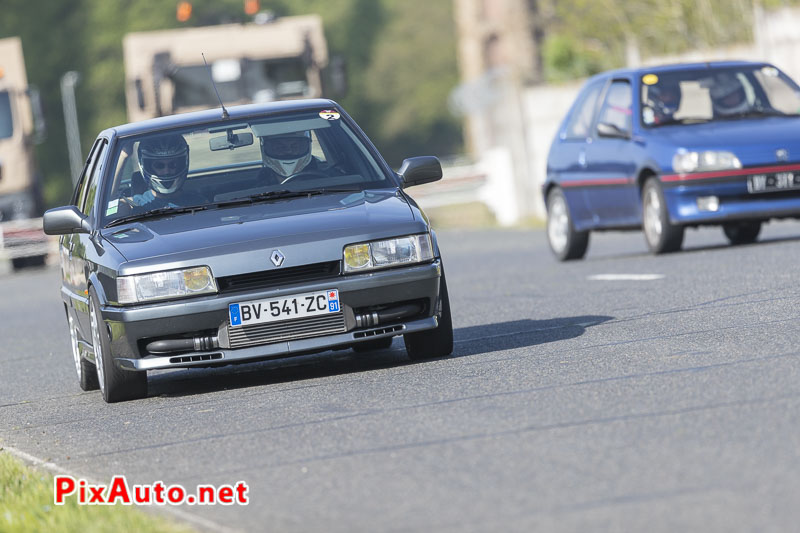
[[163, 168], [728, 96], [664, 98], [286, 156]]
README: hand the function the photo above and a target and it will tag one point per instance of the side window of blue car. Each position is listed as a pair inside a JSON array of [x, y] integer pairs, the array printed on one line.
[[580, 122], [617, 108]]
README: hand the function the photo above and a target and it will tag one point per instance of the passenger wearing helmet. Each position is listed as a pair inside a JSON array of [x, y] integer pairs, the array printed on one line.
[[163, 167], [664, 98], [728, 96]]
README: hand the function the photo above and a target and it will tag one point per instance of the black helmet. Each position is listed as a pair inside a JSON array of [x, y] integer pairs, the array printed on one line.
[[664, 97], [164, 161]]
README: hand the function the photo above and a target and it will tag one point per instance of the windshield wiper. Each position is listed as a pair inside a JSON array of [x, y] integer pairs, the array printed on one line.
[[160, 212], [281, 195], [761, 113], [683, 120]]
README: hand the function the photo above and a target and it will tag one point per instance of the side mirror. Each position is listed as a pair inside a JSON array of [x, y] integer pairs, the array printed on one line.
[[419, 170], [65, 220], [605, 129]]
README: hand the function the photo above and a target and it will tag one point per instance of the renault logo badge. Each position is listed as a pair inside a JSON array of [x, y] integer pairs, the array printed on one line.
[[782, 154], [277, 258]]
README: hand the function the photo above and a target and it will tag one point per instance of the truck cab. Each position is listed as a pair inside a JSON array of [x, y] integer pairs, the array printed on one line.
[[249, 63]]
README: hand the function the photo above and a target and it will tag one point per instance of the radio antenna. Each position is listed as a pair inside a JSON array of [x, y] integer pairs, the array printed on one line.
[[210, 75]]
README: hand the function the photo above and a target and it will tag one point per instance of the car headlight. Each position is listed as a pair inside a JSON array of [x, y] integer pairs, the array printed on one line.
[[685, 162], [386, 253], [163, 285]]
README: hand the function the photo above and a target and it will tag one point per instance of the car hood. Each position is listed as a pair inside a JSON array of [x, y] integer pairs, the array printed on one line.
[[241, 239], [754, 141]]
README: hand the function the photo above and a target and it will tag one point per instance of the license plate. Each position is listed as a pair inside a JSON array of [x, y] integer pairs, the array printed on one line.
[[780, 181], [284, 308]]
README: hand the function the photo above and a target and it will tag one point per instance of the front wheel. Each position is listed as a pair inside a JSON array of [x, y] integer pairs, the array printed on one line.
[[661, 235], [87, 374], [433, 342], [565, 242], [742, 232], [116, 384]]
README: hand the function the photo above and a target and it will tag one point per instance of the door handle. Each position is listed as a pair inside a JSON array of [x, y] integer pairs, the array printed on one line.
[[582, 158]]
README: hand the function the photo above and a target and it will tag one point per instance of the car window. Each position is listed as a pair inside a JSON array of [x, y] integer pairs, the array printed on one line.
[[94, 179], [616, 109], [218, 162], [580, 122], [83, 181], [717, 93]]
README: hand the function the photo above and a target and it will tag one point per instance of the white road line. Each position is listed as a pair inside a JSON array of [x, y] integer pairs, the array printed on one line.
[[198, 521], [624, 277]]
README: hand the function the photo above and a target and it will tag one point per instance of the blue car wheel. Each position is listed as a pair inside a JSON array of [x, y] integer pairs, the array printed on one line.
[[661, 235], [565, 242]]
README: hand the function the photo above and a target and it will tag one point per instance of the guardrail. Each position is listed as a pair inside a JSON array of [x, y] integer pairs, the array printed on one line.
[[489, 181], [20, 239]]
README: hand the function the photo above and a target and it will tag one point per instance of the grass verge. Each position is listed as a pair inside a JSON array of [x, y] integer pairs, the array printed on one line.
[[26, 504]]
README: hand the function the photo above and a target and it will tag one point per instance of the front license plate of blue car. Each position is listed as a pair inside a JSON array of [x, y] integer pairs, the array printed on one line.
[[284, 308], [779, 181]]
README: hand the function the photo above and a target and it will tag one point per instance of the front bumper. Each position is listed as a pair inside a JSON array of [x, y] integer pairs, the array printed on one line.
[[735, 203], [131, 326]]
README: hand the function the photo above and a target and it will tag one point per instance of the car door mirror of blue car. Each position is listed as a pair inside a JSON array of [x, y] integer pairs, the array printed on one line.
[[65, 220], [419, 170], [606, 129]]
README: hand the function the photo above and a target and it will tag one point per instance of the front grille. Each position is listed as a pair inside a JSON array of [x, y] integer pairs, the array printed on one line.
[[298, 328], [278, 276]]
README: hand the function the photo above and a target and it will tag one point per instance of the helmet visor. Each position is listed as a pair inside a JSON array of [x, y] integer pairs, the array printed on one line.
[[286, 147], [165, 167]]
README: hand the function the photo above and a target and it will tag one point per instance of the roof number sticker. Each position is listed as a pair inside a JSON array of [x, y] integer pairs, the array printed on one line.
[[329, 114], [771, 72], [649, 79]]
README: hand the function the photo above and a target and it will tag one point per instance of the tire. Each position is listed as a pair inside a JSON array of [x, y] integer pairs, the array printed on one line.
[[742, 232], [566, 243], [87, 373], [661, 235], [369, 346], [433, 343], [116, 384]]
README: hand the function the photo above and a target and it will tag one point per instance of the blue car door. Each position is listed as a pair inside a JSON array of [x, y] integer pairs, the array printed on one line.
[[611, 165], [567, 155]]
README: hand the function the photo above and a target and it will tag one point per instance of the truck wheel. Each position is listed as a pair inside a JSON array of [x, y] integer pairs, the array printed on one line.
[[87, 373], [437, 342], [565, 242], [369, 346], [661, 235], [742, 232], [116, 384]]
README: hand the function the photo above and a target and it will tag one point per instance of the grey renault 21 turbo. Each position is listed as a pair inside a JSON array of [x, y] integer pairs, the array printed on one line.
[[258, 232]]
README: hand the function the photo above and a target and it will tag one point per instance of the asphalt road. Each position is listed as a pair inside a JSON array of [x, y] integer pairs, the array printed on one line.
[[570, 404]]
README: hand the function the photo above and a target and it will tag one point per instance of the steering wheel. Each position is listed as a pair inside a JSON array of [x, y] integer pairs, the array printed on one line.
[[305, 174]]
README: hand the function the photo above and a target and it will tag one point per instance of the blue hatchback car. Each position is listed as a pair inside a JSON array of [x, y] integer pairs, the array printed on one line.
[[669, 147]]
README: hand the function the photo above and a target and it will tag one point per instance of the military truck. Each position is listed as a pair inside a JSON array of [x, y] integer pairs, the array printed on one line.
[[21, 126], [281, 59]]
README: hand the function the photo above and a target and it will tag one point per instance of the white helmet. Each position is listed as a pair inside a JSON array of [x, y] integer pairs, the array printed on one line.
[[287, 153], [728, 96], [164, 162]]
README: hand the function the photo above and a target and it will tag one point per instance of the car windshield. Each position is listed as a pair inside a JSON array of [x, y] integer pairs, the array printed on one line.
[[219, 164], [717, 94]]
